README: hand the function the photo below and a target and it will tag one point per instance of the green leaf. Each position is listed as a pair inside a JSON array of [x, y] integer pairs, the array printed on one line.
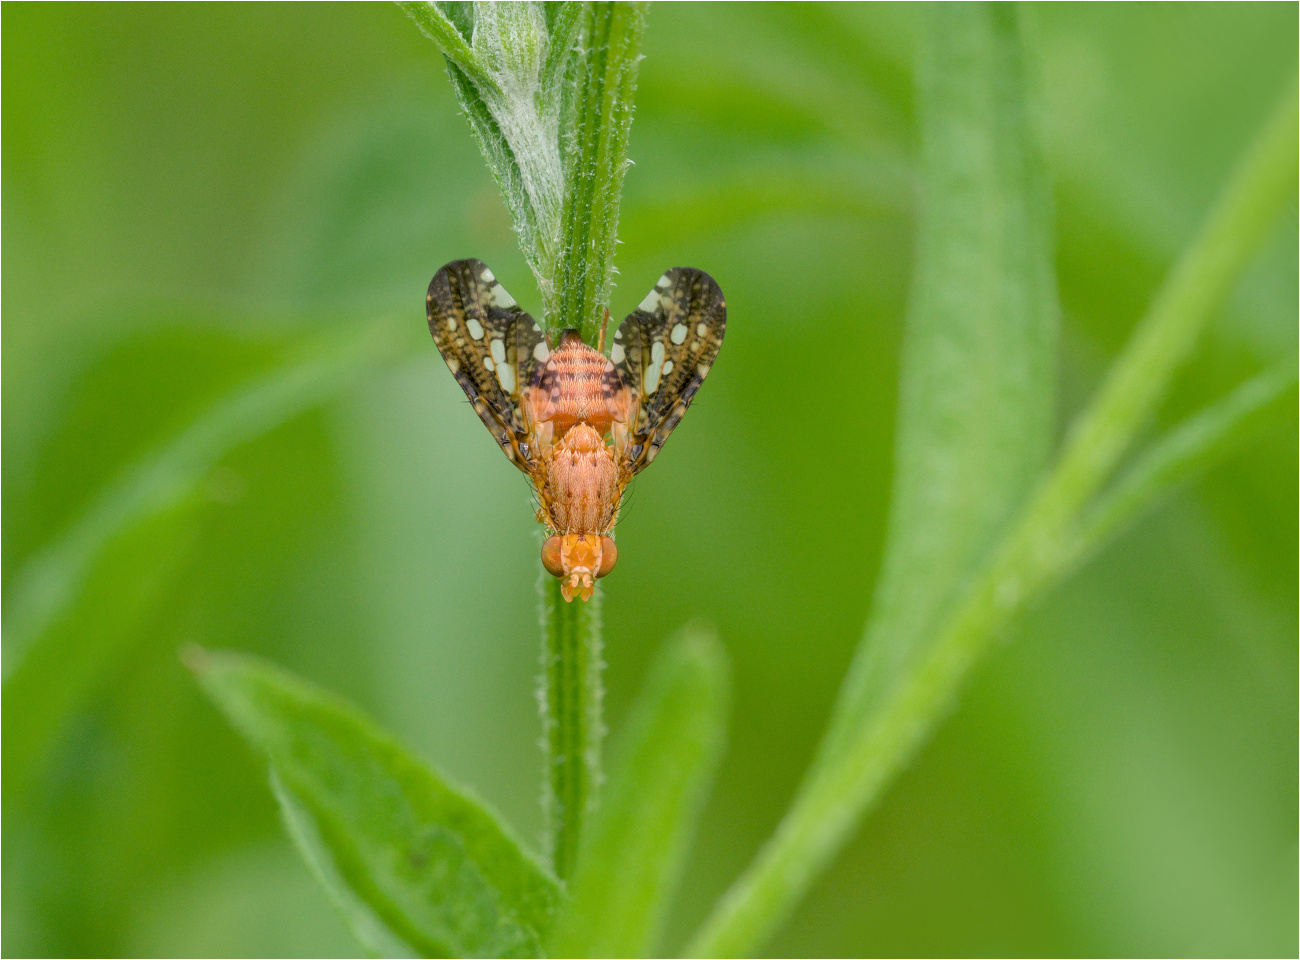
[[77, 602], [453, 38], [1188, 449], [635, 849], [975, 421], [130, 572], [370, 930], [439, 870], [1032, 553], [508, 64], [977, 391]]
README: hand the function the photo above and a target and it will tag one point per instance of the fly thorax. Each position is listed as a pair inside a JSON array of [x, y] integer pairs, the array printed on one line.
[[582, 482], [579, 390]]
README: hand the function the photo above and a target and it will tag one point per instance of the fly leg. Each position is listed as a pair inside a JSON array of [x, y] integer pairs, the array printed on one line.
[[600, 347]]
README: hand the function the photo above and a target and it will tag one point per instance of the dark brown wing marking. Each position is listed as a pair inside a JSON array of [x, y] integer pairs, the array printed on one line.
[[491, 346], [662, 352]]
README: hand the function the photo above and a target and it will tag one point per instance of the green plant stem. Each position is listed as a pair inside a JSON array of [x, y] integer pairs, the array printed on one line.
[[596, 162], [1034, 552], [572, 729], [661, 767], [547, 89]]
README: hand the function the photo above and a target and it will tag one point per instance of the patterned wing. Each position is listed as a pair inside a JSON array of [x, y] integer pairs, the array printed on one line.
[[491, 346], [663, 351]]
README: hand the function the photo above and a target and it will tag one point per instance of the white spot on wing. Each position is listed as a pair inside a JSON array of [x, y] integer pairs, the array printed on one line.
[[453, 364], [475, 328], [487, 362], [541, 353], [506, 377], [652, 378], [498, 351], [701, 329], [668, 367], [500, 298], [487, 275], [651, 302], [451, 323], [617, 354], [678, 334], [655, 369], [663, 283]]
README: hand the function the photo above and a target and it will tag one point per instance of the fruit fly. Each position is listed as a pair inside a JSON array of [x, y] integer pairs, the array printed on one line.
[[579, 423]]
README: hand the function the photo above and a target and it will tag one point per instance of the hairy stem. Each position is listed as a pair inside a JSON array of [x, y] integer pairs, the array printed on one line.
[[1029, 557], [595, 151], [596, 162], [570, 699], [547, 89]]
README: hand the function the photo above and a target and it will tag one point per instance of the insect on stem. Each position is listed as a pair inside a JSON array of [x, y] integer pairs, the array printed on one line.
[[580, 424]]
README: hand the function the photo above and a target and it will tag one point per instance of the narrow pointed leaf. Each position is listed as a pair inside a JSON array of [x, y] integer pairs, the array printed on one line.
[[1188, 449], [509, 63], [130, 573], [634, 852], [76, 604], [1029, 555], [435, 866], [977, 391], [974, 429]]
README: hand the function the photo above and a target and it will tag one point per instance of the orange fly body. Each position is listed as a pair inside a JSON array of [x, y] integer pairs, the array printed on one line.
[[579, 423]]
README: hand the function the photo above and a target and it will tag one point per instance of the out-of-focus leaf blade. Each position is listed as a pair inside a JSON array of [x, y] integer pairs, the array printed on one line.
[[975, 415], [1030, 553], [632, 856], [78, 602], [434, 865], [130, 572], [974, 429], [49, 583], [1186, 450]]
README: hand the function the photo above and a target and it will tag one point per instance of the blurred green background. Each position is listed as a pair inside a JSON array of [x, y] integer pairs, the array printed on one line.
[[191, 191]]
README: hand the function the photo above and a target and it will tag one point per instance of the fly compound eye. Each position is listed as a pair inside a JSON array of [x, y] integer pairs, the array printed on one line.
[[608, 557], [551, 557]]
